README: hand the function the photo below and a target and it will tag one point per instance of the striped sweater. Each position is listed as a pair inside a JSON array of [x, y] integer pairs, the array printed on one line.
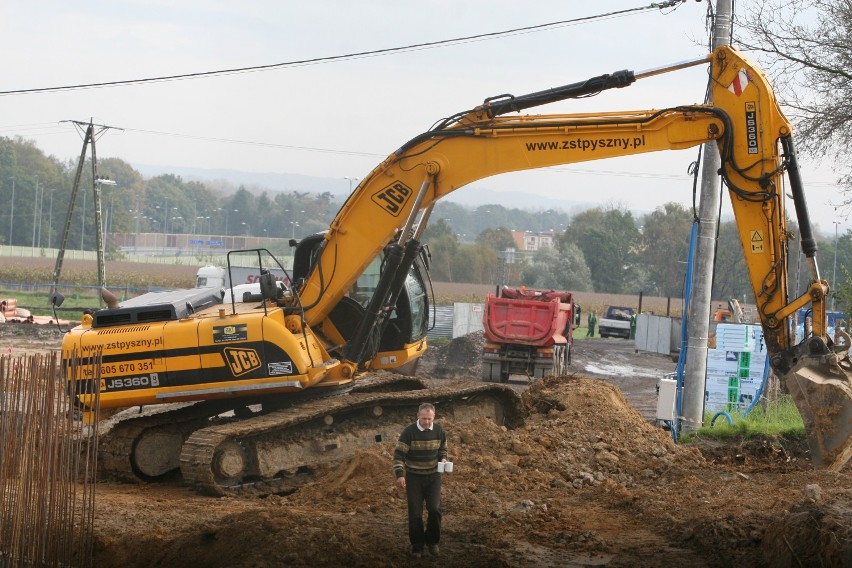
[[419, 451]]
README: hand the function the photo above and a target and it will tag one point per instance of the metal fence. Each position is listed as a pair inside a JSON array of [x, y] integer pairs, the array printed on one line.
[[454, 321], [47, 466]]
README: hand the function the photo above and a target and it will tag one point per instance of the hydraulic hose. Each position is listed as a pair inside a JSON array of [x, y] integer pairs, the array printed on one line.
[[809, 244], [722, 413], [684, 336], [394, 255], [759, 392]]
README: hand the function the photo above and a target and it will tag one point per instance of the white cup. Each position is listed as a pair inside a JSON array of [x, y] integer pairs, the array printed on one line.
[[448, 467], [441, 466]]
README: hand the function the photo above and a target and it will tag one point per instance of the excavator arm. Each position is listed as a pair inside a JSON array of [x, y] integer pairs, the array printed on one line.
[[390, 207]]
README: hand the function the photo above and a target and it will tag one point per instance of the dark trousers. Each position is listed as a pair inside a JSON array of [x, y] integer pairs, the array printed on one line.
[[420, 489]]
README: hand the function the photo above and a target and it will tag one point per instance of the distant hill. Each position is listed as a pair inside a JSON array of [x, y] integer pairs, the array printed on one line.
[[472, 196]]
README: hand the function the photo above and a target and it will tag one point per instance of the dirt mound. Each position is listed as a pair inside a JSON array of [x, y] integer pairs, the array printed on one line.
[[587, 481], [508, 501], [813, 529], [363, 482], [595, 431], [461, 357]]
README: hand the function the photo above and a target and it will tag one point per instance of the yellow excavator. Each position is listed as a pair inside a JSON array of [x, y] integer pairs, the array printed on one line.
[[290, 377]]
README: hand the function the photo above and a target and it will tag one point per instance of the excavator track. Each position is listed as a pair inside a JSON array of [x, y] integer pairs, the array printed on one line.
[[118, 447], [147, 448], [267, 453]]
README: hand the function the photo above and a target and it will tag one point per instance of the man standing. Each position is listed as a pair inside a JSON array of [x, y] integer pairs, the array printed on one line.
[[593, 320], [415, 463]]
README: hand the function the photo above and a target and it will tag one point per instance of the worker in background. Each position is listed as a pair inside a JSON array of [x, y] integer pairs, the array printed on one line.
[[415, 463], [633, 326], [593, 321]]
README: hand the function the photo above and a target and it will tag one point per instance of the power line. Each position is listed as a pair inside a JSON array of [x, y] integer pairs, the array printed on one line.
[[356, 55], [254, 143]]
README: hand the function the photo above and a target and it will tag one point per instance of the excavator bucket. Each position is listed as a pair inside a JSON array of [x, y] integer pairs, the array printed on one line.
[[821, 386]]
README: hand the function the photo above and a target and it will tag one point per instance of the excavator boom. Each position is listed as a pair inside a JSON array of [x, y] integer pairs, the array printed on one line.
[[755, 144]]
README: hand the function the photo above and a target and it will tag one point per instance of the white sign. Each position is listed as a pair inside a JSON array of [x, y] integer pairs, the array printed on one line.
[[735, 368]]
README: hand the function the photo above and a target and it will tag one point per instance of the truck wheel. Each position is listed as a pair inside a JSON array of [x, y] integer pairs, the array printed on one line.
[[490, 372], [541, 371], [560, 354]]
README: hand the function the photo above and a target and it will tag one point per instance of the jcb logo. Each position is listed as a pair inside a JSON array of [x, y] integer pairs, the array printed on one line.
[[241, 361], [393, 198]]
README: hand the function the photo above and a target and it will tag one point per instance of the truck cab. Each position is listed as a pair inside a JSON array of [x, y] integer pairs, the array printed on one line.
[[616, 322]]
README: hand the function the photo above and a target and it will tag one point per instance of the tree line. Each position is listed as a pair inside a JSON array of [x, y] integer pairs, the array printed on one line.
[[605, 249]]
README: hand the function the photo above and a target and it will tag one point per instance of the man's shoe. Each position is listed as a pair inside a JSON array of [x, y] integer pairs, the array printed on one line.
[[416, 553], [434, 550]]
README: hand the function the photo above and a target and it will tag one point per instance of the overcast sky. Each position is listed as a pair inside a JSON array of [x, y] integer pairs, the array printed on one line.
[[342, 118]]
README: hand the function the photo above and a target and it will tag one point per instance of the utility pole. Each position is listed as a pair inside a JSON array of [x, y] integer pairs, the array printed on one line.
[[698, 312], [63, 243], [89, 138]]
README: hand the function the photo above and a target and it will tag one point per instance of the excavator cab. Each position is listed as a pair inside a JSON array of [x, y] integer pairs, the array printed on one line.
[[402, 326]]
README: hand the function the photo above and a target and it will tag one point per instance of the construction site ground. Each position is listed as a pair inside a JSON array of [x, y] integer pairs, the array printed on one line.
[[588, 480]]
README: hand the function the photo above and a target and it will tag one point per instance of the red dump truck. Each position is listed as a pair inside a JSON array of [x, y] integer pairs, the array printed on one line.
[[528, 332]]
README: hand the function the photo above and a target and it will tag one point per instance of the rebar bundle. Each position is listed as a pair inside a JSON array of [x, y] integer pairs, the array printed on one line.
[[47, 463]]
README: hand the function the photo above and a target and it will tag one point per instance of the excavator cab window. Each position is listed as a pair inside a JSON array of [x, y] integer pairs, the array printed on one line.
[[305, 254], [408, 322]]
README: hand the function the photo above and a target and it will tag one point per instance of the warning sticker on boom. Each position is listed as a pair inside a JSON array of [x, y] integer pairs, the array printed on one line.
[[757, 242]]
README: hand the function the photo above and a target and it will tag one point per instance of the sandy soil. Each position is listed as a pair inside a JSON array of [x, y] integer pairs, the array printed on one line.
[[587, 481]]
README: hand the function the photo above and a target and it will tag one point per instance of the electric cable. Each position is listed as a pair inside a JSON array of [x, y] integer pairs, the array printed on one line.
[[349, 56]]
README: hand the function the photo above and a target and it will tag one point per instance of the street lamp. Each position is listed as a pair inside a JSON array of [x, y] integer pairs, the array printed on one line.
[[351, 179], [11, 214], [294, 223], [153, 227], [35, 214], [50, 220], [227, 214], [165, 224], [171, 227], [834, 270], [100, 243]]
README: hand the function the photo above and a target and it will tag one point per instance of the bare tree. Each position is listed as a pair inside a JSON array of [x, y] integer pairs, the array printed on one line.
[[806, 48]]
